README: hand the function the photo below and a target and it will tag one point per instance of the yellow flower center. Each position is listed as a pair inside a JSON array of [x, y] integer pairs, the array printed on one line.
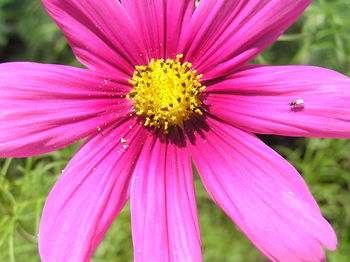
[[166, 93]]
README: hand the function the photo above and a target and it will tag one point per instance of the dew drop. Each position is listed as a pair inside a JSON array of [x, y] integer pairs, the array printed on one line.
[[65, 228], [106, 82]]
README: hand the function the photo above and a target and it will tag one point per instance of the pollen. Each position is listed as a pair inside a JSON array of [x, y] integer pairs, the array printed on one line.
[[166, 92]]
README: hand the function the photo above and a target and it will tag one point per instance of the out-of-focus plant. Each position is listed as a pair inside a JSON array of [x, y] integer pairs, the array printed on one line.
[[28, 33]]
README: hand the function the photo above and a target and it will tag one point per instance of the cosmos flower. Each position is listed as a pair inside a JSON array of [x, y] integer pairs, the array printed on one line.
[[169, 83]]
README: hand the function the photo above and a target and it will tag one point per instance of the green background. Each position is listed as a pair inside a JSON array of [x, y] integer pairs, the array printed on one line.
[[320, 37]]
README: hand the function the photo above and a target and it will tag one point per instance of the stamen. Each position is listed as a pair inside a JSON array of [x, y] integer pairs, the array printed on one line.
[[166, 93]]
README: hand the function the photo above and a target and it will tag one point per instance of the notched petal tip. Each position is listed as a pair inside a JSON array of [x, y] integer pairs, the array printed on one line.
[[263, 194]]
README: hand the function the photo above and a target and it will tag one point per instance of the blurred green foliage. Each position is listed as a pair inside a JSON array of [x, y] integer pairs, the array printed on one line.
[[27, 33], [320, 37]]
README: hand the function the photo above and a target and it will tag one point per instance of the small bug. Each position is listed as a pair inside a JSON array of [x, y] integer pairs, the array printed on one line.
[[296, 103]]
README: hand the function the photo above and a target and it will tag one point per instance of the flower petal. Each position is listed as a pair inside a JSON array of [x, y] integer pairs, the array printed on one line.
[[160, 23], [101, 33], [47, 107], [163, 208], [263, 194], [258, 99], [224, 35], [90, 193]]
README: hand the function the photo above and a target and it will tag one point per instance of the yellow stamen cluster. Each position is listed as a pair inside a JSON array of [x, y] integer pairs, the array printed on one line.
[[166, 93]]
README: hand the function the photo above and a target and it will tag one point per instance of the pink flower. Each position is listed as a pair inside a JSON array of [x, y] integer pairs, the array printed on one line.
[[208, 116]]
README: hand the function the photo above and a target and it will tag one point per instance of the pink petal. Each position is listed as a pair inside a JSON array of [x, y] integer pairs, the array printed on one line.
[[262, 193], [47, 107], [224, 35], [163, 209], [160, 23], [101, 33], [90, 193], [257, 99]]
